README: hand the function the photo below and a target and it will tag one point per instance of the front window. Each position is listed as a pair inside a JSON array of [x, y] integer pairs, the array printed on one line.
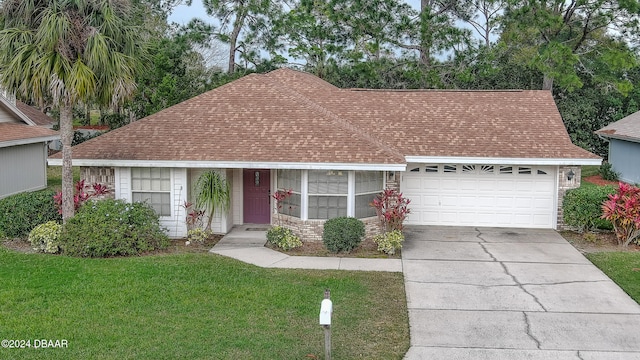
[[153, 186], [290, 179], [368, 185], [328, 190]]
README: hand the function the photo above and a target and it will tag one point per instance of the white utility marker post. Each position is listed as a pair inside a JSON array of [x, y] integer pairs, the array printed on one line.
[[326, 309]]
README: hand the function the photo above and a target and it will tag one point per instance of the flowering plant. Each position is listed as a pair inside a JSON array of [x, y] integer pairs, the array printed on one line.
[[80, 196], [623, 210]]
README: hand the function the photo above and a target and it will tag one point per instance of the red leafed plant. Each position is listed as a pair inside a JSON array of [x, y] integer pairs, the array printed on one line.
[[80, 196], [194, 216], [623, 210], [279, 197], [392, 208]]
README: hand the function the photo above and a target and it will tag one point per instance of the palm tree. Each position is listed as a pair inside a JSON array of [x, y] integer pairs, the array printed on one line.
[[63, 52], [212, 193]]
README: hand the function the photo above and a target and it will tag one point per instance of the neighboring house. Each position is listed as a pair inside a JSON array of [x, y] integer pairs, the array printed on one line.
[[471, 158], [624, 147], [24, 135]]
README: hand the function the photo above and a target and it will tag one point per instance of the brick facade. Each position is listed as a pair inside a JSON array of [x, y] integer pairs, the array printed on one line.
[[311, 230], [564, 184], [100, 175]]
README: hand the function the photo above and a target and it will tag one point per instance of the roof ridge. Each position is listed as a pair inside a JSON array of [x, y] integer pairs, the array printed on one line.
[[344, 123], [442, 90]]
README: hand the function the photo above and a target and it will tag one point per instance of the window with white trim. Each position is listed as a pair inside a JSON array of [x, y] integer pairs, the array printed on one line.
[[328, 191], [290, 180], [153, 186], [368, 185]]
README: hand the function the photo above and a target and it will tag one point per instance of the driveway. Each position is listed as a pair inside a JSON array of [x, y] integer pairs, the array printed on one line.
[[489, 293]]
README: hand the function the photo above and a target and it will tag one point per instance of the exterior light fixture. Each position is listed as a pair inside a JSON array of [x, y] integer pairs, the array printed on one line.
[[570, 175]]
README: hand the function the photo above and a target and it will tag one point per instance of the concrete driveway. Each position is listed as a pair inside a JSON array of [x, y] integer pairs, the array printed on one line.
[[489, 293]]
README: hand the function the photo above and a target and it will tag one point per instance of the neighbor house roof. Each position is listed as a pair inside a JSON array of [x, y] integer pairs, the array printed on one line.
[[627, 128], [291, 118], [38, 117], [12, 134]]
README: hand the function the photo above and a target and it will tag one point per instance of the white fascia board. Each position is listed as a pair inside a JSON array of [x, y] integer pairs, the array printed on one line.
[[14, 109], [231, 165], [499, 161], [619, 137], [29, 141]]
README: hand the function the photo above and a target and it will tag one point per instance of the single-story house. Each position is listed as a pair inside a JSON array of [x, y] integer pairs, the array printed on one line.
[[470, 158], [624, 147], [24, 135]]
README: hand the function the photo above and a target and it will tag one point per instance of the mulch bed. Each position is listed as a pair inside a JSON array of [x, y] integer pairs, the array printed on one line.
[[177, 246], [367, 249], [598, 180], [597, 241]]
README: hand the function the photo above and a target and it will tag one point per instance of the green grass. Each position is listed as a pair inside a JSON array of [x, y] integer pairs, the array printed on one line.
[[590, 170], [194, 306], [54, 176], [621, 267]]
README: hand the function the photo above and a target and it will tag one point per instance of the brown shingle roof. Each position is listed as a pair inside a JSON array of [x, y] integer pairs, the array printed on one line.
[[290, 116], [627, 128], [37, 116], [13, 132]]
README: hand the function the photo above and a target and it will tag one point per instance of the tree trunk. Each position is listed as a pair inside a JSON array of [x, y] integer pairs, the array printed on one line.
[[425, 35], [547, 83], [66, 137], [233, 40]]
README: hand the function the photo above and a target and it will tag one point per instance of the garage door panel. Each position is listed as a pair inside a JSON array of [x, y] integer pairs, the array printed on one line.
[[486, 185], [481, 199], [468, 185], [412, 184], [505, 185], [523, 203]]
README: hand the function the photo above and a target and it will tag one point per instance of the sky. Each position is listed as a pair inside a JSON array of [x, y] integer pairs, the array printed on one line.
[[182, 14]]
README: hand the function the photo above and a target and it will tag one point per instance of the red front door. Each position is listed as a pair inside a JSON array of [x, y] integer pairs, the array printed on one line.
[[256, 196]]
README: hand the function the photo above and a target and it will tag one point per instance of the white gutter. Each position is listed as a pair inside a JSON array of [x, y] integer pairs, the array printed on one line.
[[499, 161], [29, 140], [230, 164]]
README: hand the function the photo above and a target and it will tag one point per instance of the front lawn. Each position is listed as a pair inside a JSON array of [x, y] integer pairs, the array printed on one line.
[[194, 306], [621, 267]]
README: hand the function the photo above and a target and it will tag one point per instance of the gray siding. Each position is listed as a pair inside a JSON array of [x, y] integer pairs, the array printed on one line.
[[625, 158], [7, 116], [22, 168]]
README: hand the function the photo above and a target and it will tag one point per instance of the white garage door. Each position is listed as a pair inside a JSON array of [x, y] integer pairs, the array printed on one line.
[[480, 195]]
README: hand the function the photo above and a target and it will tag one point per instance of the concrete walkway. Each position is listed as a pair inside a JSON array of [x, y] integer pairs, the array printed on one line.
[[512, 294], [246, 243]]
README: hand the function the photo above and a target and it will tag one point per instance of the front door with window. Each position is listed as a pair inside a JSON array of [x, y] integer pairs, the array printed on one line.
[[256, 196]]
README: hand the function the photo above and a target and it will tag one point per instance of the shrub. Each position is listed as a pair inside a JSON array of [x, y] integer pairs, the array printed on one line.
[[389, 242], [198, 235], [283, 238], [582, 207], [22, 212], [391, 208], [112, 227], [607, 173], [46, 237], [342, 234], [623, 210]]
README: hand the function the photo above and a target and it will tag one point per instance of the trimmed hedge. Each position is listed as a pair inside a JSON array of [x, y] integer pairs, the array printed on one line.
[[582, 207], [342, 234], [20, 213], [112, 228]]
